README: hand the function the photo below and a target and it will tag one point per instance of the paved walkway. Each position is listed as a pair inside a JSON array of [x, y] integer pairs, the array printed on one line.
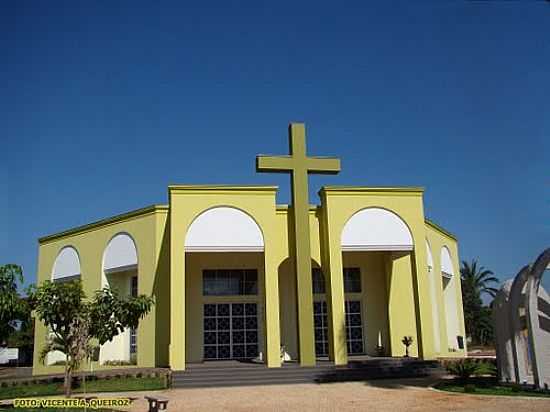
[[382, 395]]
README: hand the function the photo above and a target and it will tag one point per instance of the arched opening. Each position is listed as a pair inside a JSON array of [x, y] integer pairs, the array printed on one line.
[[66, 268], [120, 272], [376, 244], [224, 271], [288, 309], [433, 299], [449, 280]]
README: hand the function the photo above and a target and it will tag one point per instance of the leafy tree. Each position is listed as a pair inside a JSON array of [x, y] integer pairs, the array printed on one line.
[[11, 305], [475, 282], [76, 323]]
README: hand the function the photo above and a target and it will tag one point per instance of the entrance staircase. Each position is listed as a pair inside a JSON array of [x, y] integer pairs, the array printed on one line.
[[217, 374]]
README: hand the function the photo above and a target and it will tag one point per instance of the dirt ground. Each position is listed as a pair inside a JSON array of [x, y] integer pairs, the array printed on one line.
[[383, 395]]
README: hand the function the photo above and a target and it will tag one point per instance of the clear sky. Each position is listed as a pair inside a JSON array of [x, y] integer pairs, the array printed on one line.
[[103, 105]]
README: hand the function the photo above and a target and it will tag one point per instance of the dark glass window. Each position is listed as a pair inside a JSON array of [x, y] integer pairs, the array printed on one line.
[[318, 280], [352, 280], [134, 286], [224, 282]]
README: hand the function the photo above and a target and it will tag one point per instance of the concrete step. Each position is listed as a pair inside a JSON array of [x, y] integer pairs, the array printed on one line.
[[212, 376]]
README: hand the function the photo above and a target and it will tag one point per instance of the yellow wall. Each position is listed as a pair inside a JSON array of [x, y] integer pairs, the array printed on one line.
[[90, 242], [438, 239], [187, 203], [339, 204]]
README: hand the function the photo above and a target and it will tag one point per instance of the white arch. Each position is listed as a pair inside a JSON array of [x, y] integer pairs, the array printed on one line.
[[449, 297], [446, 262], [67, 264], [120, 254], [376, 229], [433, 298], [224, 229], [429, 257]]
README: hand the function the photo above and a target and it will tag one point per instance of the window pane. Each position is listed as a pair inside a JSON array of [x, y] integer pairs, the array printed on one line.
[[352, 280], [318, 279], [224, 282]]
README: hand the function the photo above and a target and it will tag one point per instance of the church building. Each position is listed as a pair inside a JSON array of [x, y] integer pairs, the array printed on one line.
[[236, 276]]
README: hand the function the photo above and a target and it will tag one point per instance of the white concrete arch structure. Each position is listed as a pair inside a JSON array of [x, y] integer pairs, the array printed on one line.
[[66, 265], [120, 254], [224, 229], [433, 298], [449, 297], [120, 265], [376, 229]]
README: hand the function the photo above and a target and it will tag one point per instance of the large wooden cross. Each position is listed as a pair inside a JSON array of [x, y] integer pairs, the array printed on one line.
[[299, 165]]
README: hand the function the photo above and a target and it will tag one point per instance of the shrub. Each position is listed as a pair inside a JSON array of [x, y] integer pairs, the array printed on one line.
[[464, 369], [117, 362], [469, 388]]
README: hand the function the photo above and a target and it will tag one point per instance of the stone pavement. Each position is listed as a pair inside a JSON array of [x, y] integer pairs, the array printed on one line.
[[382, 395]]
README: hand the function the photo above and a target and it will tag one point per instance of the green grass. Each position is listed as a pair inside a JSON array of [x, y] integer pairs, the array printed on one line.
[[488, 386], [100, 385]]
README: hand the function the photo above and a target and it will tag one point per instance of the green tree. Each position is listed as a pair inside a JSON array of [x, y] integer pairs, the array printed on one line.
[[11, 305], [477, 281], [76, 323]]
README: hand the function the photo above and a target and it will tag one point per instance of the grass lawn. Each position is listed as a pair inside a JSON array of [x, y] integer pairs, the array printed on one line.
[[100, 385], [488, 386]]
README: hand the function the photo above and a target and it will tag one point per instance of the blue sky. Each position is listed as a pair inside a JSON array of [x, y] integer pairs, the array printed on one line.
[[104, 105]]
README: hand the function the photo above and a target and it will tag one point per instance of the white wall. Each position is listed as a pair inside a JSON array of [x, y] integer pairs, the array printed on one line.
[[66, 263], [224, 229], [376, 229], [449, 279], [433, 299]]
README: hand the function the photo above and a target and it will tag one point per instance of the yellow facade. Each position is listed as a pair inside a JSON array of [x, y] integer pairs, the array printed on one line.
[[397, 296]]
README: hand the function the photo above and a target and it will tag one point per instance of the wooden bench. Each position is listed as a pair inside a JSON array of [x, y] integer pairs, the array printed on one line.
[[157, 403]]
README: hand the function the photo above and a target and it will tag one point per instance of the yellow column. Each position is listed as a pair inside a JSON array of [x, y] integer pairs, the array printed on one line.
[[331, 256], [272, 328], [177, 293], [401, 306], [424, 318]]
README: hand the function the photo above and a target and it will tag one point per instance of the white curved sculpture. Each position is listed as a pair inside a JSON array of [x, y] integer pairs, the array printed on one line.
[[66, 265], [224, 229], [376, 229], [120, 254], [527, 311]]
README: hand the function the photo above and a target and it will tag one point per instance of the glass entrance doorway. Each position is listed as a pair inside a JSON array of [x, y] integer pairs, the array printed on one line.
[[354, 328], [230, 331]]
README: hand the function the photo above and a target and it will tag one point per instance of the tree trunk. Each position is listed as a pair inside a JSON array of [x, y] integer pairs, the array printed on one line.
[[68, 379]]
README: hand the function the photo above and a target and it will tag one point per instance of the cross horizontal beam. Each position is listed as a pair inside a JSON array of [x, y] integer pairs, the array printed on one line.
[[285, 164]]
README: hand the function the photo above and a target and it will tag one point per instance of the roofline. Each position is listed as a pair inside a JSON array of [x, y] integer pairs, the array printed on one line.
[[435, 226], [255, 188], [390, 189], [286, 207], [103, 222]]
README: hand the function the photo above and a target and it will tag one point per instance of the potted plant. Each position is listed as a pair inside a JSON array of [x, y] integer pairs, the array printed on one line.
[[407, 341]]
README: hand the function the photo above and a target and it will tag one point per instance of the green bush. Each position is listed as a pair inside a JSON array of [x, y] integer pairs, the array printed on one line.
[[469, 388], [464, 369]]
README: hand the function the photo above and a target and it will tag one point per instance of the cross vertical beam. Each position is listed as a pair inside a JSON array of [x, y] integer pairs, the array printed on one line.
[[299, 165]]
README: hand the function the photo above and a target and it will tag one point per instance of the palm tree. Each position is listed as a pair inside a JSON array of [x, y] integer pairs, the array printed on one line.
[[477, 280]]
